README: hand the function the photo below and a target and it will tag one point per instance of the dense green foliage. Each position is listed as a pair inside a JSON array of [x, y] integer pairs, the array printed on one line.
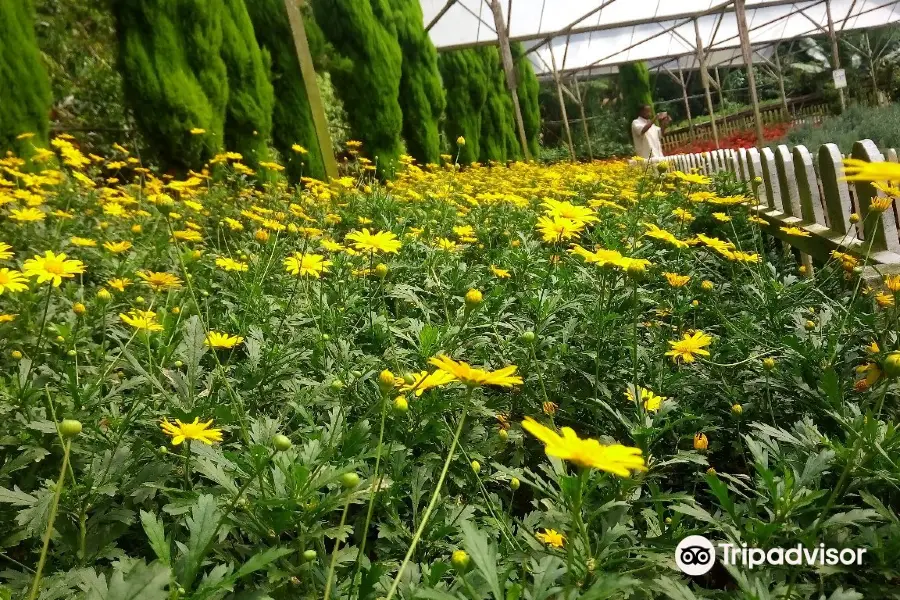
[[498, 137], [528, 90], [466, 83], [367, 78], [608, 122], [422, 98], [881, 125], [78, 47], [170, 54], [251, 98], [292, 122], [634, 81], [24, 85]]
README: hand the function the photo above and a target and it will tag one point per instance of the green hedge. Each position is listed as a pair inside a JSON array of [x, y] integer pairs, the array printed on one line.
[[292, 121], [25, 98], [367, 72], [251, 98], [170, 54], [528, 90], [467, 88], [634, 80], [422, 97]]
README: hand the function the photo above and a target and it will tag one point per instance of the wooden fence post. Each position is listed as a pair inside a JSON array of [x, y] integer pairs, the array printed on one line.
[[769, 175], [787, 183], [837, 194], [754, 163], [808, 187], [880, 229]]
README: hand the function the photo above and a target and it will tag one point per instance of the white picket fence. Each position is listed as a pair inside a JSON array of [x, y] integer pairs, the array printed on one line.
[[807, 190]]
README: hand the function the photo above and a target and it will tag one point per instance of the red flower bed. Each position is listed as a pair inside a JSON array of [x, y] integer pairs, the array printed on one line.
[[739, 139]]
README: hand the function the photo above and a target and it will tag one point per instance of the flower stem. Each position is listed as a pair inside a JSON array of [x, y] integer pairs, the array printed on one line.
[[376, 480], [337, 545], [36, 582], [433, 502]]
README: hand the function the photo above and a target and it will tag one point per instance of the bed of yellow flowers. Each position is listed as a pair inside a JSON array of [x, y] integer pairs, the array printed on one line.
[[523, 381]]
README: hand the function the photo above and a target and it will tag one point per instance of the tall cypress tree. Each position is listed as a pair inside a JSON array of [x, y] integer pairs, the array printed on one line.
[[529, 88], [174, 76], [497, 122], [251, 98], [292, 121], [422, 98], [634, 81], [25, 98], [368, 80], [466, 83]]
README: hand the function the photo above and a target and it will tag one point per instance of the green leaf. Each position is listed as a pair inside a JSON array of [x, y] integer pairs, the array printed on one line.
[[16, 497], [857, 516], [261, 560], [142, 582], [484, 555], [674, 589], [842, 594], [153, 527], [610, 586], [720, 490], [546, 574], [694, 511], [435, 594], [202, 525]]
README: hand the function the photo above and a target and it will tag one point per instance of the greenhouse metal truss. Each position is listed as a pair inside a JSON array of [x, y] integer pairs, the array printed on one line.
[[577, 39]]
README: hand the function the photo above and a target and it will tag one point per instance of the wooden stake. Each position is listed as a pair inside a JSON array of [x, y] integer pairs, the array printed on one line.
[[312, 88], [562, 103], [740, 14], [778, 71], [587, 136], [687, 104], [704, 78], [835, 55], [512, 81]]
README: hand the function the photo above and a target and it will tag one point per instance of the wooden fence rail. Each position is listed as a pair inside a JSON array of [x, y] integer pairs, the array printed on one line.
[[803, 189]]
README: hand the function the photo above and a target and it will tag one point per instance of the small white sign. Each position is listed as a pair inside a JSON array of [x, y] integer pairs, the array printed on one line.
[[840, 78]]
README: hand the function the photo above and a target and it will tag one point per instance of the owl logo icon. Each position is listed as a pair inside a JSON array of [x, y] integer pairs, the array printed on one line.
[[695, 555]]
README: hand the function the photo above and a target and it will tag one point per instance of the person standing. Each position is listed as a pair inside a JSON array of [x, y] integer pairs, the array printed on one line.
[[647, 135]]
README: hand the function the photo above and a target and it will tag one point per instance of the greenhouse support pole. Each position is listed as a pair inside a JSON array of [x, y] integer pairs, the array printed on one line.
[[704, 77], [511, 79], [719, 87], [747, 52], [308, 71], [835, 55], [687, 103], [872, 68], [587, 136], [780, 73], [562, 103]]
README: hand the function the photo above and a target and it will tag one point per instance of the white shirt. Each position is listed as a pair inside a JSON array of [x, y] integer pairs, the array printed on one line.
[[647, 144]]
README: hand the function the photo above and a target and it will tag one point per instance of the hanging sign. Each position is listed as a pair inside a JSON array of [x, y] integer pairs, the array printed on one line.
[[840, 78]]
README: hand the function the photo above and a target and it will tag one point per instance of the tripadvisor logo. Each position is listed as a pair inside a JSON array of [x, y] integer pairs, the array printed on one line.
[[696, 555]]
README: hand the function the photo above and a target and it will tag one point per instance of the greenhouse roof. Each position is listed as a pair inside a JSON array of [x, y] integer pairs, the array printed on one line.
[[593, 36]]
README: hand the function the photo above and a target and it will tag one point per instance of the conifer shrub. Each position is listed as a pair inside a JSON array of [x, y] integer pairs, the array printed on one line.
[[528, 91], [292, 121], [422, 97], [366, 73], [25, 97], [498, 130], [251, 98], [175, 80], [634, 81], [466, 84]]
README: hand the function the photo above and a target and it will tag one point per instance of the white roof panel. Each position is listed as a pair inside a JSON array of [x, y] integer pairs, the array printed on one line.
[[595, 34]]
